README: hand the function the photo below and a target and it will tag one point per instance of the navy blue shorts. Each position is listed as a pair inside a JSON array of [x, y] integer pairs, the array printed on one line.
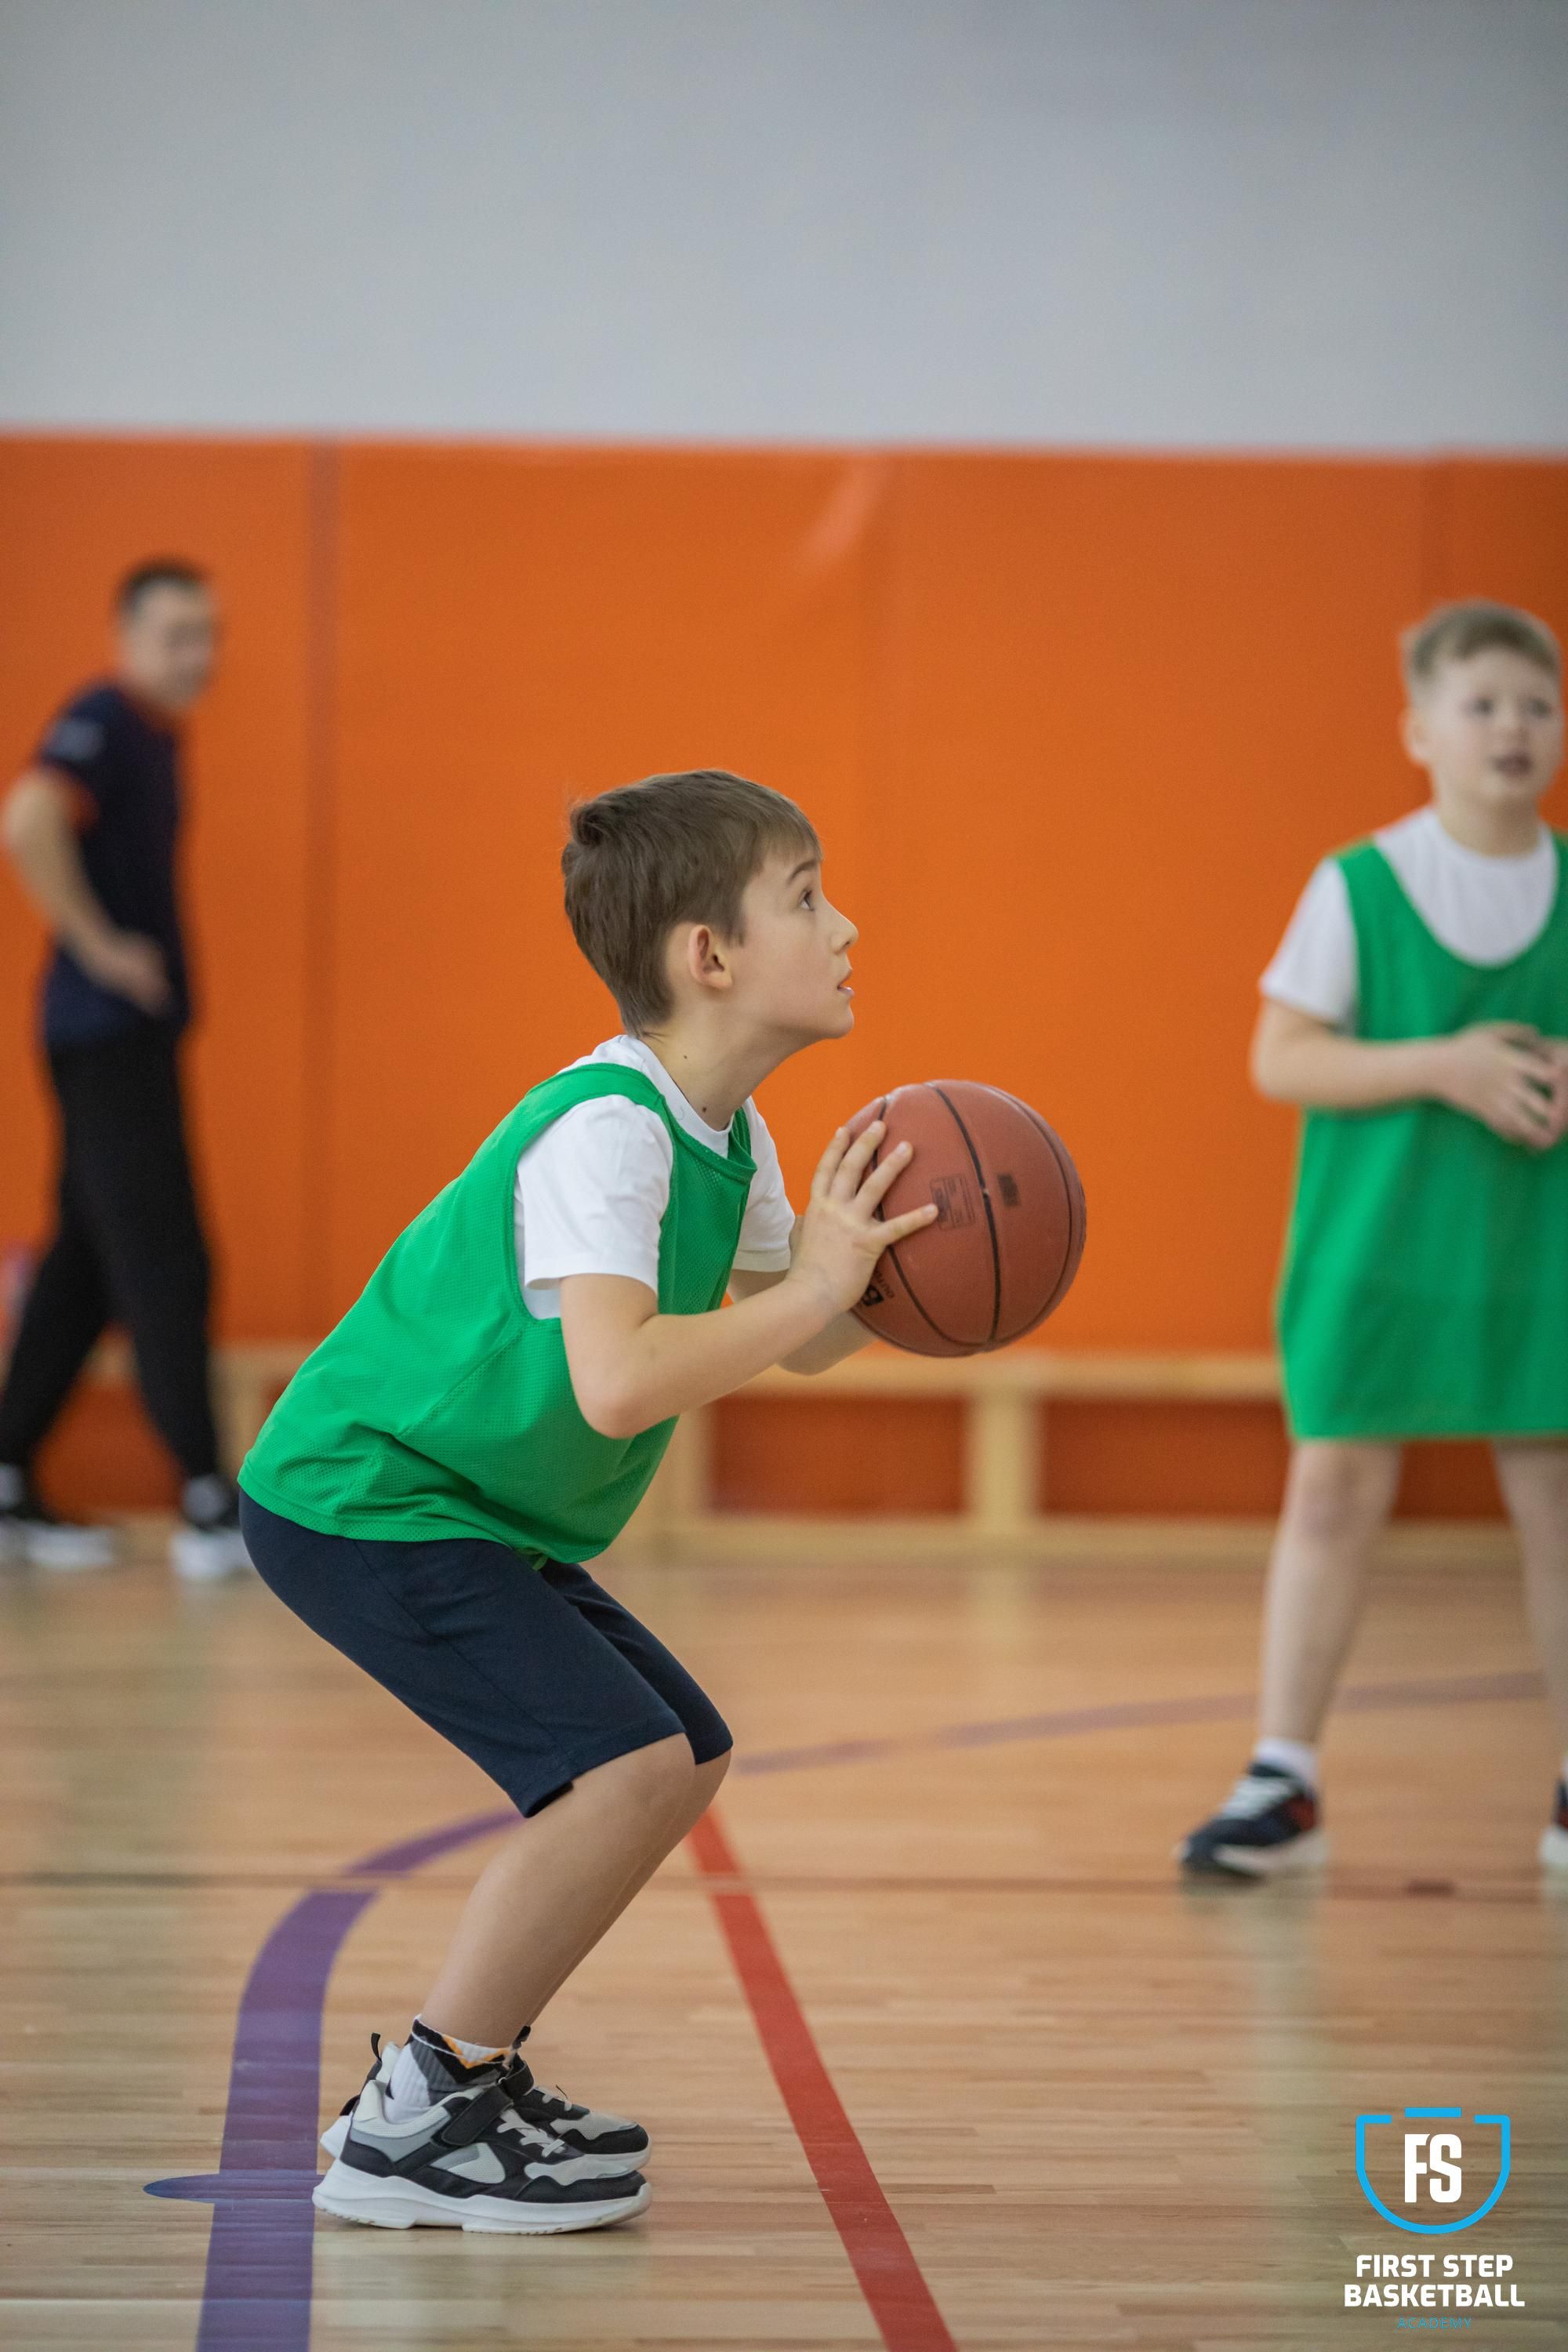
[[535, 1671]]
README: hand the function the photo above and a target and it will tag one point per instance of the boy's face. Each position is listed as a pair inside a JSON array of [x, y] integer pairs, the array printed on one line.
[[1489, 730], [790, 970]]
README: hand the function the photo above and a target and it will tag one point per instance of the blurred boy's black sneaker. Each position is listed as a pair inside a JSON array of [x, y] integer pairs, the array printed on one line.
[[1268, 1825]]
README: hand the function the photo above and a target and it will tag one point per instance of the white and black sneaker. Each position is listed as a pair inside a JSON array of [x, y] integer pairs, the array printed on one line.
[[30, 1531], [207, 1544], [586, 2130], [470, 2162], [1269, 1825]]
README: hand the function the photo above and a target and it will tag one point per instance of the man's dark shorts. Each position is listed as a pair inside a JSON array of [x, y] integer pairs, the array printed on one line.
[[532, 1670]]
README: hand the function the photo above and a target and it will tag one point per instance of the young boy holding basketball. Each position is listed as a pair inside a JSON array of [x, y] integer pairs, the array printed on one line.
[[487, 1417], [1417, 1009]]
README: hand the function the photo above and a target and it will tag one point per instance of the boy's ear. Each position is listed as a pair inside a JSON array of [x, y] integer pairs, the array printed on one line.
[[706, 960], [1413, 736]]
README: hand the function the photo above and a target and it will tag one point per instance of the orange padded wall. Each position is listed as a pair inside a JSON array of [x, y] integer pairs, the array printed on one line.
[[515, 628], [1074, 729]]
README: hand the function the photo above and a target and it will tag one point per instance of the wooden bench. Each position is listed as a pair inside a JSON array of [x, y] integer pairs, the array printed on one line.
[[1006, 1401], [1003, 1397]]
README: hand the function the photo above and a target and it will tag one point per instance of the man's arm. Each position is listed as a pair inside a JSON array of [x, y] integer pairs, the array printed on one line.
[[36, 828], [1500, 1072], [632, 1367]]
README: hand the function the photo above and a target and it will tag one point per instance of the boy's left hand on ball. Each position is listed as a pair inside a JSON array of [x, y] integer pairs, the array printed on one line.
[[842, 1235]]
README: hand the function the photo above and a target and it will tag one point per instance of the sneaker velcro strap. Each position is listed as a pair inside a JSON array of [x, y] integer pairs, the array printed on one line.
[[479, 2117]]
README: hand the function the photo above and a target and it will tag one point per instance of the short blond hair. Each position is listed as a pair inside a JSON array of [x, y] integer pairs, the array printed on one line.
[[677, 849], [1452, 633]]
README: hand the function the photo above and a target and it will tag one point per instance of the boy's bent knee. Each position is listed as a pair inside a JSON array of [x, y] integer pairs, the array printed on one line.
[[660, 1772], [663, 1773], [1337, 1492]]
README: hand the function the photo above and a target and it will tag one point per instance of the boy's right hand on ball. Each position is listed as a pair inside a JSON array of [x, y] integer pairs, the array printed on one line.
[[841, 1236], [1503, 1073]]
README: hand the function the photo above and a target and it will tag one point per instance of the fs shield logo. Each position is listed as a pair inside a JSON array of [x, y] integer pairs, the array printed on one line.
[[1434, 2164]]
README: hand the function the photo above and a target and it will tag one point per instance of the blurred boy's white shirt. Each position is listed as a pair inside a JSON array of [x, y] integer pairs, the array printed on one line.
[[592, 1191], [1485, 909]]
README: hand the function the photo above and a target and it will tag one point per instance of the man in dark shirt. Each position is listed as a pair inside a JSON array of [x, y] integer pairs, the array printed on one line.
[[91, 827]]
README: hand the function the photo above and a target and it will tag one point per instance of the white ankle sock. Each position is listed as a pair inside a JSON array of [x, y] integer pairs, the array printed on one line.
[[421, 2073], [1291, 1756]]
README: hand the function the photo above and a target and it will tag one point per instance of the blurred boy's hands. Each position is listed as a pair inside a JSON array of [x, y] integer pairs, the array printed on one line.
[[1556, 1049], [1511, 1078]]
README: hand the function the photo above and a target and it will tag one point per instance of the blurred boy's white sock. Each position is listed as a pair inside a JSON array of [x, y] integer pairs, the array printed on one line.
[[1289, 1756]]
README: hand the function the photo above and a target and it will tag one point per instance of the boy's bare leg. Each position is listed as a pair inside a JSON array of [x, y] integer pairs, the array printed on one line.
[[1534, 1482], [705, 1784], [547, 1895], [1338, 1497]]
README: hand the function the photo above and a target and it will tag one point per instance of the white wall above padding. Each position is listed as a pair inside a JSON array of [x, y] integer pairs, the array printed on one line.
[[1331, 223]]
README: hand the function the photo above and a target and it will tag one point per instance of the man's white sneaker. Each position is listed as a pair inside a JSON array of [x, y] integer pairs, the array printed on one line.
[[207, 1543], [468, 2162], [28, 1532], [203, 1555]]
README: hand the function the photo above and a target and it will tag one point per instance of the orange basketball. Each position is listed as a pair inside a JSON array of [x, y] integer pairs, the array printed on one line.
[[1009, 1229]]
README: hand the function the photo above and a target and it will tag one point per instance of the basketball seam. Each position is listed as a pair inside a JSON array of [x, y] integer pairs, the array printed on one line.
[[1077, 1226], [902, 1272], [924, 1313], [990, 1213]]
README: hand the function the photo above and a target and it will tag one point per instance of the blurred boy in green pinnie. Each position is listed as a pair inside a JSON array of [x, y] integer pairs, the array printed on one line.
[[1417, 1010]]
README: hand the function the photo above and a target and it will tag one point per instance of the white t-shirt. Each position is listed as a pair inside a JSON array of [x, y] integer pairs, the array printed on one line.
[[592, 1190], [1486, 909]]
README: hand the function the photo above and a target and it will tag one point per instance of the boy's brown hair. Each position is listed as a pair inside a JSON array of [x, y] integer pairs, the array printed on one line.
[[1452, 633], [672, 849]]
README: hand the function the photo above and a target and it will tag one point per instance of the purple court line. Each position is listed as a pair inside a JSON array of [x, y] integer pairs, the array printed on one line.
[[1068, 1723], [257, 2293]]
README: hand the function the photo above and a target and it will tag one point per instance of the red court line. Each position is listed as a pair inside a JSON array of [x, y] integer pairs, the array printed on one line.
[[901, 2301]]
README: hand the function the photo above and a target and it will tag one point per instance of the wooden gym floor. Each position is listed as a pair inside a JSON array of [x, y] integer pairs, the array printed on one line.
[[936, 2051]]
